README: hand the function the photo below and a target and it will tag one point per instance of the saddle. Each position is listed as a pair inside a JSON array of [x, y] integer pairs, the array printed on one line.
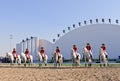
[[59, 56], [43, 57], [28, 57]]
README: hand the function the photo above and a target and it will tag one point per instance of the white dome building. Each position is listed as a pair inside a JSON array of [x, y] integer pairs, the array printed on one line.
[[95, 34]]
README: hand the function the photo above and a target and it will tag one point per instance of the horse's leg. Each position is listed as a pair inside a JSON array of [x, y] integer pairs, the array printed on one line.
[[90, 60], [45, 62], [106, 62], [85, 62], [101, 61], [24, 62], [12, 62], [59, 62], [19, 61], [40, 64], [74, 61], [55, 64]]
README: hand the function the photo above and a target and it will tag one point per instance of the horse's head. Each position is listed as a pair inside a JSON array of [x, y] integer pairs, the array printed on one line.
[[72, 50], [101, 51], [53, 53], [10, 55], [39, 55], [23, 56], [85, 50], [73, 54]]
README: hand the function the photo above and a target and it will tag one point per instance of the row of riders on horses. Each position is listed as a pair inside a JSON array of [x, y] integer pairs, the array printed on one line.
[[57, 56]]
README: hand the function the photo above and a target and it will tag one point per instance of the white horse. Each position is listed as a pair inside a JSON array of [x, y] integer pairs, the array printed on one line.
[[10, 55], [40, 58], [75, 57], [103, 58], [87, 57], [57, 59], [25, 60]]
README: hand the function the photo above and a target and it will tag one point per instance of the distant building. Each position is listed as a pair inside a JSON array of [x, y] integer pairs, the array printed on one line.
[[34, 46]]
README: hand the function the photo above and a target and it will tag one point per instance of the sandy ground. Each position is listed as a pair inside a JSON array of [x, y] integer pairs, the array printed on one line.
[[76, 74]]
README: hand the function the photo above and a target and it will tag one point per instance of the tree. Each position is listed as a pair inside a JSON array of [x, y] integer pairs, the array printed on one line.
[[73, 25], [90, 21], [96, 20]]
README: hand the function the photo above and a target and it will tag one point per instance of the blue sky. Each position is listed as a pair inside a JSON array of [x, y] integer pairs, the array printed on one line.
[[46, 18]]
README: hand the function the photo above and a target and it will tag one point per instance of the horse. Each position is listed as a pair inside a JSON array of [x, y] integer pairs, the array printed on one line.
[[10, 55], [102, 57], [75, 58], [25, 60], [57, 59], [40, 58], [87, 57]]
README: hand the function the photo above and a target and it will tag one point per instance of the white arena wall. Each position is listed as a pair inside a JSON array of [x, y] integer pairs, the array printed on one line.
[[95, 34]]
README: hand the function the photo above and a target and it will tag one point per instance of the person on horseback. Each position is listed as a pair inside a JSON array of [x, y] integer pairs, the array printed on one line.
[[103, 47], [75, 49], [42, 52], [15, 55], [27, 54], [58, 51], [89, 48]]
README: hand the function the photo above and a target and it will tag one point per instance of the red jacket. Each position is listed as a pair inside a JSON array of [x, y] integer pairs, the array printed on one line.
[[27, 52], [88, 48], [15, 53], [58, 50], [42, 51], [75, 49], [104, 48]]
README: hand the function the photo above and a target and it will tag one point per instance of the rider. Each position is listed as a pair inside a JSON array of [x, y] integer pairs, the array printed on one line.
[[103, 47], [58, 51], [14, 53], [75, 48], [89, 48], [42, 51], [27, 54]]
